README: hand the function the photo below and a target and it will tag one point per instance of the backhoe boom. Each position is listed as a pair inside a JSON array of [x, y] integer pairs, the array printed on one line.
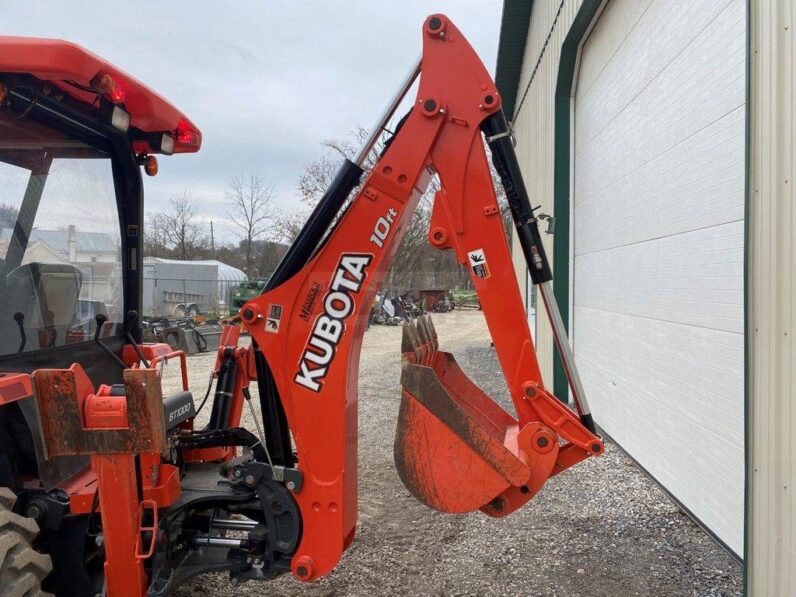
[[309, 323]]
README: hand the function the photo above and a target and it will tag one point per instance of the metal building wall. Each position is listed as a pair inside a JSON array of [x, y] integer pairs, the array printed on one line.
[[534, 131], [771, 291]]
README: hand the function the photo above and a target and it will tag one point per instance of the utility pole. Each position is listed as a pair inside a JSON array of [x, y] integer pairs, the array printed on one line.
[[212, 241]]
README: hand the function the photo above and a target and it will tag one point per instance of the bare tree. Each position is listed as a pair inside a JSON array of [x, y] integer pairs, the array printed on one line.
[[252, 210], [288, 227], [175, 232], [416, 263], [155, 236], [182, 231], [8, 215]]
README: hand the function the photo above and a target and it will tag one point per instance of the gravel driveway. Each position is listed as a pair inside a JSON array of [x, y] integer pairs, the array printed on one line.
[[601, 528]]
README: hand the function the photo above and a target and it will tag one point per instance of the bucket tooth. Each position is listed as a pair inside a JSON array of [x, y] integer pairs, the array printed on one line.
[[424, 341], [408, 339], [421, 331], [410, 342], [424, 322], [433, 332]]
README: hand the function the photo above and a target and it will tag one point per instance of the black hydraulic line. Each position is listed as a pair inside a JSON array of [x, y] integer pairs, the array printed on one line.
[[277, 433], [313, 230], [235, 436], [222, 399], [504, 158]]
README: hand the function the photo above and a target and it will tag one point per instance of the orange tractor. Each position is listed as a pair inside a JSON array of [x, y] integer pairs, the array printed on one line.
[[107, 485]]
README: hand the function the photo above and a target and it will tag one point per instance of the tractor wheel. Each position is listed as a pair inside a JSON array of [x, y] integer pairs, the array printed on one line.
[[22, 568]]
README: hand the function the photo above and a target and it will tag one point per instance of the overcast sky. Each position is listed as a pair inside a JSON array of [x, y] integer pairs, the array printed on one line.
[[265, 81]]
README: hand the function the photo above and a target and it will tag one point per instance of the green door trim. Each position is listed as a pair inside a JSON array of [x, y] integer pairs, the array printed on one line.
[[565, 84]]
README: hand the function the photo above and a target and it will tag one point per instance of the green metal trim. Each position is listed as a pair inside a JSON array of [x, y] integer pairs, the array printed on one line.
[[514, 26], [747, 399], [561, 172]]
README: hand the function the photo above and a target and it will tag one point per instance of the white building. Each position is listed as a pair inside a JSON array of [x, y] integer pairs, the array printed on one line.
[[659, 134]]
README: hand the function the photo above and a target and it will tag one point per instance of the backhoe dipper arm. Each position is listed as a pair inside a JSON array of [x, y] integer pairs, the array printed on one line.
[[309, 325]]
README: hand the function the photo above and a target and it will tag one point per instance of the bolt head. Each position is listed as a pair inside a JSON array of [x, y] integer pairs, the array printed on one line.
[[291, 485], [249, 479]]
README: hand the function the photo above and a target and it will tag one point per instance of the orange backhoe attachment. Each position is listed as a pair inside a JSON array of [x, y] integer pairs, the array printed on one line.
[[456, 449]]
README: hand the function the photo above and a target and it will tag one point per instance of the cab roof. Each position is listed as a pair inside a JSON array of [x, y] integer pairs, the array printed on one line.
[[76, 71]]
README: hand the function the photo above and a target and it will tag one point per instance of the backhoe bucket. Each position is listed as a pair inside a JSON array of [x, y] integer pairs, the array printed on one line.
[[455, 449]]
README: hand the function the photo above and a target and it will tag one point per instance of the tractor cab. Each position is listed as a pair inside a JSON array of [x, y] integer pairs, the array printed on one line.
[[75, 135]]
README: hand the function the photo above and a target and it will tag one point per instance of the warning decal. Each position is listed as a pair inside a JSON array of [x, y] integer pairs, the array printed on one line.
[[273, 319], [478, 263]]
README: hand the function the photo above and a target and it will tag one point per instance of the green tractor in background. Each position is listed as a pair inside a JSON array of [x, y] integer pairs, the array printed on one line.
[[246, 290]]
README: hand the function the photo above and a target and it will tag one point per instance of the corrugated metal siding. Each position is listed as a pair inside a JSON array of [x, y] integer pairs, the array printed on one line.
[[534, 129], [771, 513]]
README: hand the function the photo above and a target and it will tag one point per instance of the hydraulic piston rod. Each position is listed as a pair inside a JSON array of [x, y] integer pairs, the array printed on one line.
[[373, 137], [504, 158]]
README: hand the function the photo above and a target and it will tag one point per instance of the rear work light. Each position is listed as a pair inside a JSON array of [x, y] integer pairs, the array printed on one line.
[[162, 143], [120, 119], [116, 116]]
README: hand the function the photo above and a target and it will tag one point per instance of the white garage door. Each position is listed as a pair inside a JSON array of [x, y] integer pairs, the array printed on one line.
[[658, 210]]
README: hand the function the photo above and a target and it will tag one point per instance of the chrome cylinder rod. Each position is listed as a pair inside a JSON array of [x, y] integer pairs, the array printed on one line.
[[564, 349], [370, 142], [206, 541], [233, 525]]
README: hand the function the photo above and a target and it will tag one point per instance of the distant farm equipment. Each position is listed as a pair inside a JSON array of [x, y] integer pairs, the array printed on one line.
[[246, 291], [187, 334], [465, 299], [174, 288], [436, 300]]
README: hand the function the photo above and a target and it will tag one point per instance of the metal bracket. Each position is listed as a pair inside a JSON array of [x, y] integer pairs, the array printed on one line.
[[58, 393]]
